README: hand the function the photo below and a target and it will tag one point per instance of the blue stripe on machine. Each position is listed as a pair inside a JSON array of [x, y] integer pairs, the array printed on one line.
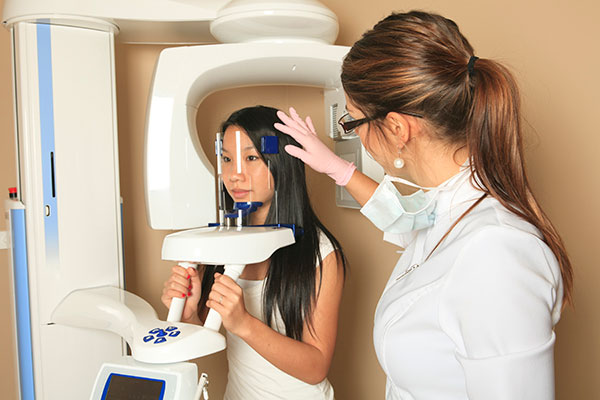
[[46, 98], [23, 320]]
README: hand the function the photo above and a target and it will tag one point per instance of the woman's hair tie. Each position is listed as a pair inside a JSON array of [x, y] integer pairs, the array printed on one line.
[[471, 65]]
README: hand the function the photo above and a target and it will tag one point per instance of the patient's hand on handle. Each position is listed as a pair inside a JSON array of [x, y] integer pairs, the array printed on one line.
[[184, 283], [227, 298]]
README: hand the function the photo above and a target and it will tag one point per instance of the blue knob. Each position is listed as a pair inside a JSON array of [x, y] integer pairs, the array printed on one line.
[[148, 338]]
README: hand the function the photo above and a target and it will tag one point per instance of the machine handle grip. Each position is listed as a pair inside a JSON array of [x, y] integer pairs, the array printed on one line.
[[213, 319], [177, 303]]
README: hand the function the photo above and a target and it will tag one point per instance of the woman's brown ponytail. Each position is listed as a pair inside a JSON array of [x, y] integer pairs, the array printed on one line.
[[420, 63], [494, 140]]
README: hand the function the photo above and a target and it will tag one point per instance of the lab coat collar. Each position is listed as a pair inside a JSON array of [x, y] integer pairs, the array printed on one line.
[[457, 191]]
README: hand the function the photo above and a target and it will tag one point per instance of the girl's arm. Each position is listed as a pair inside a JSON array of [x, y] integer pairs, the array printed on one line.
[[307, 360]]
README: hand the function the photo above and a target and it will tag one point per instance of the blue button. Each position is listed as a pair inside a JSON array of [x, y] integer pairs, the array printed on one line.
[[148, 338], [160, 340], [161, 333], [155, 330], [170, 328], [174, 334]]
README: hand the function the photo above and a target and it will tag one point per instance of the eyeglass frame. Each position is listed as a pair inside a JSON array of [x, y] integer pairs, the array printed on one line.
[[358, 122]]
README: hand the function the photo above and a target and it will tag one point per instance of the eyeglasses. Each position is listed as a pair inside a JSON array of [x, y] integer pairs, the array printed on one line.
[[349, 124]]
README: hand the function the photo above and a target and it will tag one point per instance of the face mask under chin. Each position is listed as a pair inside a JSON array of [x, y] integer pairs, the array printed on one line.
[[392, 212]]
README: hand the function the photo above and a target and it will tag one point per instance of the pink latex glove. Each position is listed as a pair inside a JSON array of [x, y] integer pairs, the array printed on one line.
[[313, 153]]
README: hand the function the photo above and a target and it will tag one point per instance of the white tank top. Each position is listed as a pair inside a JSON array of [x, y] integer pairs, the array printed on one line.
[[250, 376]]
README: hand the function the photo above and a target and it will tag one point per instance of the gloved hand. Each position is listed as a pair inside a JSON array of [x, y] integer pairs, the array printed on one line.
[[314, 153]]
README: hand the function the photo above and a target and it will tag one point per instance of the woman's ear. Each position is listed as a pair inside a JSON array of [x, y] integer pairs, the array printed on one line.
[[399, 128]]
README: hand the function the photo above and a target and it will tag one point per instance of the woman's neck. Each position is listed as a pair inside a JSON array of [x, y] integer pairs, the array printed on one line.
[[437, 165]]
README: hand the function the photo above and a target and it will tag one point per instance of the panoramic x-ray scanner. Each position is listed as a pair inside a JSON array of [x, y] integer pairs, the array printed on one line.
[[79, 333]]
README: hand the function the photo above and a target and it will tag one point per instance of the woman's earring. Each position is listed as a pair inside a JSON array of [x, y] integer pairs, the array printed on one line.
[[399, 162]]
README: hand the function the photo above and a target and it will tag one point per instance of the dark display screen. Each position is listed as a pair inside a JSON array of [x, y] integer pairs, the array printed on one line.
[[125, 387]]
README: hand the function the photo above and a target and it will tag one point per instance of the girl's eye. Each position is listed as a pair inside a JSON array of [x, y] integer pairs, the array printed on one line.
[[226, 159], [252, 158]]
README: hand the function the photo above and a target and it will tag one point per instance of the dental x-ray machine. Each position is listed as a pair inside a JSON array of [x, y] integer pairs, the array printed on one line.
[[65, 221]]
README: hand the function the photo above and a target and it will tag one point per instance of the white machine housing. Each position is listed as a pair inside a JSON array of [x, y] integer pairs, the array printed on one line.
[[68, 183], [172, 381], [179, 179]]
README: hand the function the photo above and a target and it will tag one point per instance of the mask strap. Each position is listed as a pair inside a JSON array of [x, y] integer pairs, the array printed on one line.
[[411, 184], [406, 182]]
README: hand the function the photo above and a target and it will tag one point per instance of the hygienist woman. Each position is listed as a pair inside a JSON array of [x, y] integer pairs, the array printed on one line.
[[469, 310]]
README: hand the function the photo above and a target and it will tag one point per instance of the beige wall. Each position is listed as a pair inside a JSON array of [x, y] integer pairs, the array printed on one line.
[[552, 48], [7, 179]]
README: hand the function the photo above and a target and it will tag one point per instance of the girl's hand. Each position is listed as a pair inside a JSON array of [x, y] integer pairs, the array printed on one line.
[[313, 153], [183, 283], [227, 299]]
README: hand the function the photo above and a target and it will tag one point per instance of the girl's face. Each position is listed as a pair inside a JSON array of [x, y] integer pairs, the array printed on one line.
[[245, 175]]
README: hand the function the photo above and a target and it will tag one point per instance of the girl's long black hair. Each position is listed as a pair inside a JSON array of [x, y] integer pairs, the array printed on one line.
[[290, 282]]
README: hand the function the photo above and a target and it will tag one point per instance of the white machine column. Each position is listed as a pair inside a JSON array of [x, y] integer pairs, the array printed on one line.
[[69, 186]]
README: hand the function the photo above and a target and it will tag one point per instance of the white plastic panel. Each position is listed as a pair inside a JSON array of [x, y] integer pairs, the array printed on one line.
[[129, 316], [4, 240], [179, 379], [85, 165], [76, 241], [180, 188], [244, 21], [352, 150], [71, 359], [335, 107], [185, 21], [138, 21], [140, 10]]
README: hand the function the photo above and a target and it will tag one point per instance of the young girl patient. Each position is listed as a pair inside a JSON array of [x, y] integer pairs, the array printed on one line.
[[281, 316]]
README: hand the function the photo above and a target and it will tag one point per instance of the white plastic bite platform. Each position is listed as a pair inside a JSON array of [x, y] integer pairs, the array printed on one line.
[[226, 245]]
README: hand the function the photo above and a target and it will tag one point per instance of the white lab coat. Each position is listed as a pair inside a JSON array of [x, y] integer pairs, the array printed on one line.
[[476, 320]]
